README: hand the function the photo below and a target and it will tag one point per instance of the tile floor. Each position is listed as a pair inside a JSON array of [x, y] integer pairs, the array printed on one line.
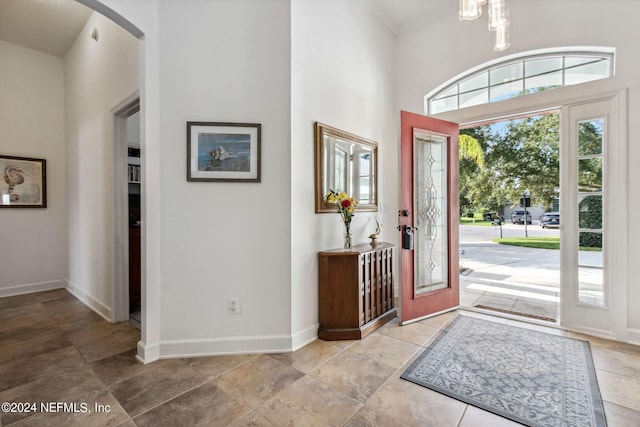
[[54, 349]]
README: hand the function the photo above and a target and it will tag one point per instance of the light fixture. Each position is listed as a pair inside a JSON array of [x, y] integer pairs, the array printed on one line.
[[498, 12]]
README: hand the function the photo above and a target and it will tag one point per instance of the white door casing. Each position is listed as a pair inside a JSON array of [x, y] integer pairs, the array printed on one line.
[[606, 317]]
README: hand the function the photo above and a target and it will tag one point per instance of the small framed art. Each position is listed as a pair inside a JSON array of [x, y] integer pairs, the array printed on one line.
[[223, 151], [24, 182]]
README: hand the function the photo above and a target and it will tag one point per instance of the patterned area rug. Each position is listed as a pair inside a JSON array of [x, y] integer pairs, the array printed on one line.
[[530, 377]]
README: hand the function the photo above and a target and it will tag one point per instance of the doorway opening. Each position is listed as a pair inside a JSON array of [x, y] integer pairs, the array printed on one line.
[[510, 216], [133, 188], [127, 211]]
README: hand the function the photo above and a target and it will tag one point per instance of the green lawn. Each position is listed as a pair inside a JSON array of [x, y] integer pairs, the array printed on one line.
[[537, 242], [531, 242]]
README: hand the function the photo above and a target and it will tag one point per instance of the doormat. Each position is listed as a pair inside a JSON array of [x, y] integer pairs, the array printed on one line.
[[516, 313], [530, 377]]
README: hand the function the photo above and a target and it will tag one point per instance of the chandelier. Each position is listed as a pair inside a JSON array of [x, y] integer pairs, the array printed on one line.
[[498, 13]]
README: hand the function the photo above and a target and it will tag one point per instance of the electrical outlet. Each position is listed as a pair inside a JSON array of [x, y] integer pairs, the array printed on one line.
[[233, 305]]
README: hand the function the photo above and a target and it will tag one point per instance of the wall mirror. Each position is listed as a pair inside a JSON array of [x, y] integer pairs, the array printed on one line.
[[345, 162]]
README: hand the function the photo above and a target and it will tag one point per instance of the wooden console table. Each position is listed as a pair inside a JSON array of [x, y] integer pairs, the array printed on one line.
[[355, 291]]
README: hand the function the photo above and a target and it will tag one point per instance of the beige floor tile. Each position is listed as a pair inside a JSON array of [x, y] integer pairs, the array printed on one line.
[[256, 381], [606, 344], [71, 314], [343, 344], [34, 346], [476, 417], [618, 416], [308, 403], [153, 387], [622, 363], [67, 387], [214, 366], [205, 405], [368, 416], [417, 406], [251, 420], [23, 370], [100, 331], [385, 349], [416, 333], [308, 357], [121, 338], [122, 366], [440, 321], [10, 327], [354, 374], [28, 327], [619, 389]]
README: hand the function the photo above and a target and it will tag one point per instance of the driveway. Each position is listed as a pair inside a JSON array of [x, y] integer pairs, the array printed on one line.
[[512, 279]]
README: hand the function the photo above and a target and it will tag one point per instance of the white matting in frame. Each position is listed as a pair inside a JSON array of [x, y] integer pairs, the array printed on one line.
[[223, 151]]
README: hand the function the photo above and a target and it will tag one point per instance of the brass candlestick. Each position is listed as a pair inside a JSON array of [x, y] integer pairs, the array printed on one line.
[[375, 235]]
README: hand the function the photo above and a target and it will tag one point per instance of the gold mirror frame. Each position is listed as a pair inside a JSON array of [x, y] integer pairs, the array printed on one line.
[[328, 142]]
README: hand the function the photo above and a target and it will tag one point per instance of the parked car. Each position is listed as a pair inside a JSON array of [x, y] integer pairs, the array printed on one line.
[[517, 217], [550, 220]]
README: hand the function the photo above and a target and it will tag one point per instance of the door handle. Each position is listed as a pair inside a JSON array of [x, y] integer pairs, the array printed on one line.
[[407, 237]]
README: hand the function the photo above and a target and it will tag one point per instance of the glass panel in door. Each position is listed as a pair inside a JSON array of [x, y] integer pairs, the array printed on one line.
[[590, 224], [430, 155]]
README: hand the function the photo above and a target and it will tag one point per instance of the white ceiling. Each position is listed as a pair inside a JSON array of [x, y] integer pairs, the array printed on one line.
[[403, 15], [49, 26]]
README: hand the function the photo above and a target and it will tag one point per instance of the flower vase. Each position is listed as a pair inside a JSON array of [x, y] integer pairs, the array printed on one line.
[[347, 237]]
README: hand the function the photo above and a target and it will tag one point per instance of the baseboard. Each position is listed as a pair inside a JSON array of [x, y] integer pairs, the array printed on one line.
[[594, 332], [147, 353], [95, 305], [304, 337], [224, 346], [633, 336], [30, 288]]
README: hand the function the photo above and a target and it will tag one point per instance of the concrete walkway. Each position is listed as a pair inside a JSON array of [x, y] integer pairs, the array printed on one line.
[[511, 279]]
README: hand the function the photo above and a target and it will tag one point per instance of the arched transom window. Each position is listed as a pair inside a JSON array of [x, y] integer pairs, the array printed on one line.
[[519, 75]]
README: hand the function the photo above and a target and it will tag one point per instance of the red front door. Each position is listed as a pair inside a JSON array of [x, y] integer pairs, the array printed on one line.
[[429, 216]]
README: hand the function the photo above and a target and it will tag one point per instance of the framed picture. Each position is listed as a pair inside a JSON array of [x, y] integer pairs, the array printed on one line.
[[24, 182], [223, 152]]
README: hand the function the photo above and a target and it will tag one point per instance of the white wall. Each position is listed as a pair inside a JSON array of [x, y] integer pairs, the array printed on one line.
[[225, 61], [33, 241], [452, 47], [342, 76], [98, 76], [257, 242]]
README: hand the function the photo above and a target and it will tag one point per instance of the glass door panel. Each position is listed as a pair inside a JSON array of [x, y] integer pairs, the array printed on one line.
[[590, 228], [430, 155]]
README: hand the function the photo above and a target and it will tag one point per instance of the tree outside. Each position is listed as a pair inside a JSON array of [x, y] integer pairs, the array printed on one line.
[[518, 155]]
